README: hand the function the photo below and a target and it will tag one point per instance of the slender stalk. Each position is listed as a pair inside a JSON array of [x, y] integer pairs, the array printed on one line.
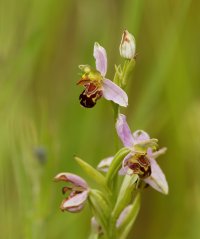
[[116, 111]]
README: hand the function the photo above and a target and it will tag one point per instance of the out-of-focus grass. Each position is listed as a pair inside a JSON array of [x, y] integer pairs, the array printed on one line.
[[42, 125]]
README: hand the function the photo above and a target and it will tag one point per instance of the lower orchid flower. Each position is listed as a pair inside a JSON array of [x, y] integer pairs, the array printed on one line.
[[96, 85], [141, 159], [78, 192]]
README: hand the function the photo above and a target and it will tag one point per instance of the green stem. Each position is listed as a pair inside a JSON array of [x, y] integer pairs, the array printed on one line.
[[116, 109], [116, 112], [116, 165]]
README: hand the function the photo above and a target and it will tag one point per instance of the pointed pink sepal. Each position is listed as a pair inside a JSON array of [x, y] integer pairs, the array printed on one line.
[[124, 131], [75, 203], [72, 178], [101, 58], [157, 179], [113, 92]]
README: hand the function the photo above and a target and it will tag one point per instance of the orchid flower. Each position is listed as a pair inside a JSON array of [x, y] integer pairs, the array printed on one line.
[[78, 192], [96, 85], [141, 159]]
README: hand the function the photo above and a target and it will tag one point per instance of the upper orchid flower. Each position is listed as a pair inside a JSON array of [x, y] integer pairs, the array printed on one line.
[[141, 159], [96, 85], [78, 192]]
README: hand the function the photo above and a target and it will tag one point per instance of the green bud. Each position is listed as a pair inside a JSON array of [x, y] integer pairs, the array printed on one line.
[[85, 68]]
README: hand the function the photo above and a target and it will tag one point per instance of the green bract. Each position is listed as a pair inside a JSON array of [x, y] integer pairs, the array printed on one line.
[[116, 164]]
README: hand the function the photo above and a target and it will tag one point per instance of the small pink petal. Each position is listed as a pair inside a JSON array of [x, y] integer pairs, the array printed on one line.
[[75, 209], [124, 131], [76, 201], [113, 92], [157, 179], [125, 160], [101, 58], [123, 171], [72, 178], [140, 135], [105, 164]]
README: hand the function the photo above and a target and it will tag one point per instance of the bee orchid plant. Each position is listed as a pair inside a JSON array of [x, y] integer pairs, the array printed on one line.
[[114, 205]]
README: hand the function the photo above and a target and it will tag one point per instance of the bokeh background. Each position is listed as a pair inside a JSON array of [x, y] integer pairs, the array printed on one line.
[[42, 124]]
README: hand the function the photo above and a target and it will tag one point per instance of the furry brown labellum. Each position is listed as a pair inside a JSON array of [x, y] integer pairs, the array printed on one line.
[[90, 95], [141, 166]]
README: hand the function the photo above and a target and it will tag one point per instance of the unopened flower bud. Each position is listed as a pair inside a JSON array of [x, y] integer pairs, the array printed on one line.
[[127, 45]]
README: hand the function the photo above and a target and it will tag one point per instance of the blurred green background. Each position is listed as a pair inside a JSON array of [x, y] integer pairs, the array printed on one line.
[[42, 124]]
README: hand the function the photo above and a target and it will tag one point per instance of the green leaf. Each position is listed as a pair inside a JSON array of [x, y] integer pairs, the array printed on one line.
[[116, 164], [92, 173], [129, 218]]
